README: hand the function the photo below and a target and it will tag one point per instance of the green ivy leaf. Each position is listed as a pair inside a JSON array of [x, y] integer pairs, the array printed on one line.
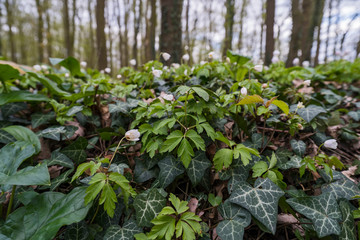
[[58, 158], [343, 188], [348, 231], [261, 201], [310, 112], [323, 211], [223, 158], [24, 134], [298, 147], [354, 115], [147, 206], [197, 167], [235, 220], [38, 119], [170, 168], [76, 150], [77, 231], [126, 232], [259, 169], [53, 133]]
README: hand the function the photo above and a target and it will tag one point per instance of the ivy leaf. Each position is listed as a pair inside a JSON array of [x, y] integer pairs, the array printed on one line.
[[185, 152], [144, 169], [76, 150], [77, 231], [235, 220], [354, 115], [147, 206], [172, 141], [310, 112], [52, 210], [126, 232], [119, 168], [197, 167], [196, 139], [341, 189], [282, 105], [249, 99], [12, 108], [322, 210], [223, 158], [55, 183], [58, 158], [38, 119], [298, 147], [348, 231], [53, 133], [170, 168], [261, 201], [6, 137], [24, 134]]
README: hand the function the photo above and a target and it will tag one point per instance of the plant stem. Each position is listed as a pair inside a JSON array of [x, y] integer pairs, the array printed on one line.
[[117, 147], [11, 201], [186, 100], [97, 210]]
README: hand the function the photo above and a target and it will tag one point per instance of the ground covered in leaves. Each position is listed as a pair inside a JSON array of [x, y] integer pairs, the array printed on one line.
[[223, 150]]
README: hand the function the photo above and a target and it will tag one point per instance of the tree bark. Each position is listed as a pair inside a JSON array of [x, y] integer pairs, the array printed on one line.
[[73, 28], [1, 52], [347, 31], [229, 23], [318, 18], [171, 31], [307, 31], [137, 14], [295, 32], [100, 35], [40, 31], [48, 29], [91, 36], [269, 22], [9, 9], [262, 29], [328, 32], [23, 41], [126, 32], [67, 34], [242, 16], [118, 18]]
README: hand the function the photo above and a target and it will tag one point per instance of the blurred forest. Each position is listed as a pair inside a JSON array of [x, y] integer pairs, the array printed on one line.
[[109, 33]]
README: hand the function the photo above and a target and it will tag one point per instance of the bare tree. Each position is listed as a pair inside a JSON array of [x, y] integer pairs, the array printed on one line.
[[229, 23], [150, 32], [9, 9], [0, 29], [262, 28], [318, 20], [40, 30], [328, 32], [269, 22], [137, 15], [295, 32], [171, 32], [100, 34], [91, 36], [48, 28], [307, 30], [242, 16]]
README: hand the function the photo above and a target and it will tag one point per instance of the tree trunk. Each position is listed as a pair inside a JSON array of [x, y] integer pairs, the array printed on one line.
[[242, 16], [171, 31], [307, 31], [9, 9], [295, 32], [187, 31], [317, 25], [111, 65], [73, 28], [337, 30], [1, 53], [347, 31], [91, 36], [269, 22], [67, 33], [137, 15], [328, 32], [40, 31], [48, 29], [262, 29], [23, 41], [229, 23], [118, 18], [126, 32], [100, 34]]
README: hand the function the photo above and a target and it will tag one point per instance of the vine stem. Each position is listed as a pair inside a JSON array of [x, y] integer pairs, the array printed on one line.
[[11, 201], [117, 147], [97, 210]]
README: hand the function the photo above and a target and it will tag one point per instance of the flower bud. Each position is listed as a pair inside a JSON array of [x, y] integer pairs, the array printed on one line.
[[331, 143], [132, 135]]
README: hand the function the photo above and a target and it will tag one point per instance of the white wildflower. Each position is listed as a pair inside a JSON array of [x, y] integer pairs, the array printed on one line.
[[276, 53], [37, 67], [306, 64], [331, 143], [175, 65], [186, 57], [307, 82], [44, 67], [157, 73], [132, 135], [275, 59], [132, 62], [107, 70], [67, 75], [243, 91], [211, 55], [166, 56], [203, 62], [83, 64], [300, 105], [228, 60], [118, 76], [296, 61], [259, 68], [168, 97]]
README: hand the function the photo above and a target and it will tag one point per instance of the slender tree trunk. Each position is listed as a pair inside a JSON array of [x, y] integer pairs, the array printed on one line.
[[270, 20], [1, 52], [229, 23], [40, 31], [191, 47], [100, 34], [328, 32], [118, 18], [337, 30], [110, 38], [187, 31], [9, 9], [357, 50], [48, 29], [73, 28], [262, 29], [23, 41], [136, 29], [307, 31], [318, 16], [153, 20], [91, 36], [126, 32], [242, 16], [67, 34], [171, 31], [295, 32]]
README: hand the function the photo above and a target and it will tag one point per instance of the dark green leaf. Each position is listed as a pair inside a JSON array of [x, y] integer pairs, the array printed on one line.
[[126, 232], [298, 147], [348, 231], [170, 168], [7, 72], [24, 134], [21, 96], [310, 112], [76, 150], [197, 167], [58, 158], [38, 119]]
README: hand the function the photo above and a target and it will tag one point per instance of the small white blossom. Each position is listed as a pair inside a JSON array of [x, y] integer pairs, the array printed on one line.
[[300, 127], [203, 62], [132, 62], [185, 72], [296, 61], [157, 73], [264, 85], [307, 82], [275, 59], [132, 135], [276, 53], [168, 97], [306, 64], [186, 57], [211, 55], [102, 71], [67, 74], [259, 68], [300, 105], [331, 143], [83, 64], [118, 76], [243, 91], [175, 65], [166, 56], [186, 47], [107, 70], [44, 67], [37, 67], [228, 60]]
